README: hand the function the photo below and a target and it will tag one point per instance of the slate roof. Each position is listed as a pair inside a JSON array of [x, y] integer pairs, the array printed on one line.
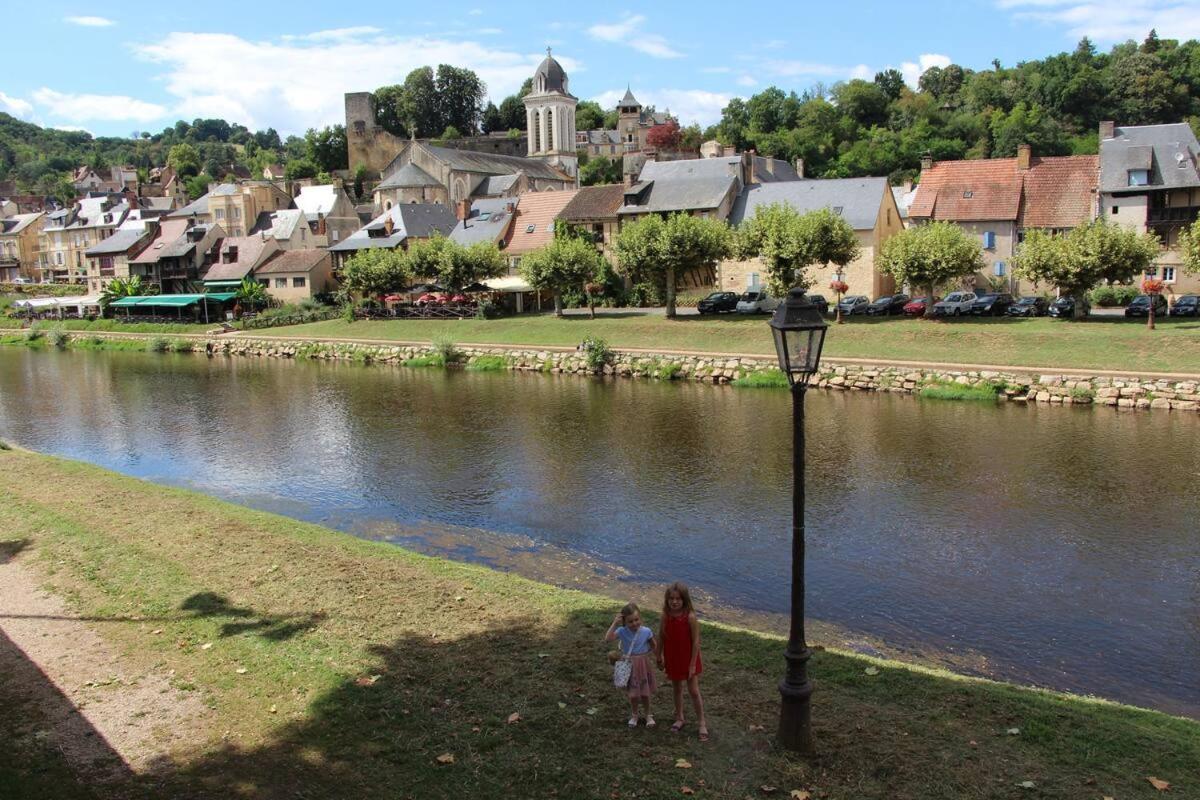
[[857, 200], [18, 222], [488, 221], [683, 194], [293, 261], [628, 99], [902, 200], [594, 202], [602, 137], [225, 190], [249, 250], [198, 206], [1055, 192], [537, 210], [409, 220], [726, 166], [493, 163], [1170, 152], [554, 75], [184, 245], [407, 177], [169, 231], [160, 204], [280, 224], [495, 185], [120, 242]]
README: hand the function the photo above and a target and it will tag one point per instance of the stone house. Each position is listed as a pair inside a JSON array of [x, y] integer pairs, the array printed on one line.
[[109, 259], [235, 206], [594, 208], [68, 233], [867, 204], [532, 228], [287, 227], [395, 228], [705, 187], [238, 258], [19, 246], [178, 255], [996, 200], [328, 212], [1150, 181], [293, 275]]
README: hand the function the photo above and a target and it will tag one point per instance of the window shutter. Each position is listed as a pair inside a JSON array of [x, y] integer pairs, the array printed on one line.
[[989, 239], [999, 269]]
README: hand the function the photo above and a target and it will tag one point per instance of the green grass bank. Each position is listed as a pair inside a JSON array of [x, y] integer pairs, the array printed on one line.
[[336, 667]]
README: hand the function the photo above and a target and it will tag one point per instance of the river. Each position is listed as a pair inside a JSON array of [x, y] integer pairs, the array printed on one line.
[[1045, 545]]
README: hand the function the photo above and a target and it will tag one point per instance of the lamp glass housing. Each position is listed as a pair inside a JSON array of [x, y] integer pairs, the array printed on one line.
[[799, 331]]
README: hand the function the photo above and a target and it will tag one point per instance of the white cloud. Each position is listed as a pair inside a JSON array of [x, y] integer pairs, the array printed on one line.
[[488, 31], [15, 106], [1111, 20], [746, 80], [912, 71], [862, 72], [689, 105], [298, 84], [335, 34], [90, 22], [108, 107], [629, 33]]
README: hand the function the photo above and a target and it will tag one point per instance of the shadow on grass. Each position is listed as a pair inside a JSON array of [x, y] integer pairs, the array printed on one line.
[[430, 718], [10, 549], [272, 627]]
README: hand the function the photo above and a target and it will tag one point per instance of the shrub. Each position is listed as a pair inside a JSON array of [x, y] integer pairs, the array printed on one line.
[[425, 361], [348, 312], [158, 344], [445, 348], [5, 445], [183, 346], [641, 295], [596, 352], [59, 338], [1110, 296], [487, 310], [949, 390], [33, 334], [764, 379], [1080, 393], [488, 364]]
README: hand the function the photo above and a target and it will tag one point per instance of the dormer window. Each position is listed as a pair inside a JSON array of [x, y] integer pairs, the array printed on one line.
[[967, 195], [231, 255], [1139, 177]]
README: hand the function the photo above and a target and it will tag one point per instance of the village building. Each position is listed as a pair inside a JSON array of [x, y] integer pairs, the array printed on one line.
[[328, 212], [287, 227], [867, 204], [19, 245], [68, 233], [397, 227], [486, 220], [634, 122], [294, 275], [237, 258], [550, 118], [995, 200], [705, 187], [178, 255], [594, 209], [235, 206], [532, 228], [109, 260], [1150, 181]]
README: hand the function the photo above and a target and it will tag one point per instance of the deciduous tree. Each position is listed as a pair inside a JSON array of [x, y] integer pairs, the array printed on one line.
[[788, 242], [566, 263], [657, 251], [929, 256], [376, 272]]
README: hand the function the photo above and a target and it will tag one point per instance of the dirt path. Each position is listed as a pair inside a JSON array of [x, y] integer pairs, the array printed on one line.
[[107, 719]]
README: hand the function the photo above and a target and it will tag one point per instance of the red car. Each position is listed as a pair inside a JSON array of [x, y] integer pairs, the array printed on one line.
[[916, 306]]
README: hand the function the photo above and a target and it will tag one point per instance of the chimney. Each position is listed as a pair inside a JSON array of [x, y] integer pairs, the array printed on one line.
[[462, 209], [320, 224], [510, 206], [800, 167], [389, 225], [1024, 153], [926, 161], [748, 160], [1107, 130], [906, 187]]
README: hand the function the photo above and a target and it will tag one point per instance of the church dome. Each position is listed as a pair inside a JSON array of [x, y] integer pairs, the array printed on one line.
[[549, 77]]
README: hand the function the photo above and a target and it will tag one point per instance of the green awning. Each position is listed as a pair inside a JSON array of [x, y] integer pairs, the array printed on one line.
[[222, 297], [222, 283], [129, 301], [172, 300]]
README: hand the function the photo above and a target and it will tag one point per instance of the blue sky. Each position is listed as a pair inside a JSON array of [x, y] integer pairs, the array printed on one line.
[[120, 67]]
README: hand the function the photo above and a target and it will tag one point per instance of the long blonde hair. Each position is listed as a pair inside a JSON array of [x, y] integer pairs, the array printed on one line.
[[684, 595]]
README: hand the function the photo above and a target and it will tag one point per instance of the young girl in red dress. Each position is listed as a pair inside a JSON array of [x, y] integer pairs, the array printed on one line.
[[679, 652]]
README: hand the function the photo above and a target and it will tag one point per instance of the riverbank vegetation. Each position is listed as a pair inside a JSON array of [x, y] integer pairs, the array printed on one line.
[[343, 666], [1112, 343]]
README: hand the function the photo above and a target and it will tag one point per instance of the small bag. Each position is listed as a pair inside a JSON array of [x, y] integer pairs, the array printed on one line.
[[623, 669]]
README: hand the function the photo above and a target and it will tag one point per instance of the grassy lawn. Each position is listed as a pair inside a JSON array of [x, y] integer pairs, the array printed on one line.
[[335, 667], [1100, 343]]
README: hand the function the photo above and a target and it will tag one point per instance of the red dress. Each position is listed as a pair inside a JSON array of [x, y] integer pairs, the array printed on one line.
[[677, 647]]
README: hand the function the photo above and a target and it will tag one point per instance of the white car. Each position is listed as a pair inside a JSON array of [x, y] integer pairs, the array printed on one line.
[[955, 304], [22, 281], [756, 301]]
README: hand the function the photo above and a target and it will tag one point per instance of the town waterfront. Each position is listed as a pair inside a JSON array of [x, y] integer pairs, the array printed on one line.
[[1039, 545]]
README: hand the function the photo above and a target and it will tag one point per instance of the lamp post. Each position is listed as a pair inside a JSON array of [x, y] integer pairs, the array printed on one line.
[[799, 332], [840, 287]]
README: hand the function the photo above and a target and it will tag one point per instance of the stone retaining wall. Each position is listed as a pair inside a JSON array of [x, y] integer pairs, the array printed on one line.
[[1014, 385]]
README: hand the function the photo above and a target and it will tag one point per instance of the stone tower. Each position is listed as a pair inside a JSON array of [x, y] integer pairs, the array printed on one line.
[[550, 117]]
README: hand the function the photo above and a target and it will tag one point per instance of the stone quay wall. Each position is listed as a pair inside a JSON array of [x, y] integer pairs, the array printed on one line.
[[1013, 385]]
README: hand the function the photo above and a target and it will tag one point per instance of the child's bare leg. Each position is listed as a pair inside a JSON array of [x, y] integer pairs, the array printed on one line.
[[693, 685], [633, 709], [678, 687], [649, 716]]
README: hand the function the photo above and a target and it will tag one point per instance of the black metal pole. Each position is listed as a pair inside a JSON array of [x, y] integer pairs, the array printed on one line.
[[795, 716]]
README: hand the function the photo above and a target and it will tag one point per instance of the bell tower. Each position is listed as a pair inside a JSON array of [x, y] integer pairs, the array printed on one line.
[[550, 117]]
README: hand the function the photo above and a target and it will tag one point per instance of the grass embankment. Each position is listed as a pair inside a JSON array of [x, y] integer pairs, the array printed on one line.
[[114, 325], [343, 668], [1099, 343]]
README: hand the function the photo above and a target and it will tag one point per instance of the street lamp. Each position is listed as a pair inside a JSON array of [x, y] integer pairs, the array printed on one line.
[[799, 332]]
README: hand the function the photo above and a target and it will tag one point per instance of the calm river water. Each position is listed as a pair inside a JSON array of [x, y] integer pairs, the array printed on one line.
[[1051, 546]]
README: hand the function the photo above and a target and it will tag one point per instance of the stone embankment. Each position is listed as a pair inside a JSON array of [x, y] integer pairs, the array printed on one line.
[[1014, 385]]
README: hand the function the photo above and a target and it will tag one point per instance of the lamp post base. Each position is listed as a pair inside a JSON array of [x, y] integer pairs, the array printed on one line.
[[795, 712]]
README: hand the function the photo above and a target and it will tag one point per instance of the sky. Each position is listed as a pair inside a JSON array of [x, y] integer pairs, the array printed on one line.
[[121, 67]]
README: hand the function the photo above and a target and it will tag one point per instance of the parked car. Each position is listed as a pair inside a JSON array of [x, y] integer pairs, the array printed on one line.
[[820, 302], [992, 305], [1187, 305], [887, 305], [854, 304], [916, 307], [1029, 307], [717, 302], [1065, 307], [21, 281], [757, 301], [955, 304], [1140, 306]]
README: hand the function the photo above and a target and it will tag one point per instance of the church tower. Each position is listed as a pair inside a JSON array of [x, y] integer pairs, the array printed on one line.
[[550, 117]]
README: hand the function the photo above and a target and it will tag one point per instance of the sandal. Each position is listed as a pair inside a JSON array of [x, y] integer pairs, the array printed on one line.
[[650, 723], [633, 722], [677, 726], [704, 734]]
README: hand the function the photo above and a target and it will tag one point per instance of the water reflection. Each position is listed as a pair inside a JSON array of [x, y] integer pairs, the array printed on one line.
[[1057, 543]]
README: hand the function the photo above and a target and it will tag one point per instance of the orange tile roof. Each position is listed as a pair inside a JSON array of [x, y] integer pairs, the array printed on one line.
[[539, 210], [1055, 192]]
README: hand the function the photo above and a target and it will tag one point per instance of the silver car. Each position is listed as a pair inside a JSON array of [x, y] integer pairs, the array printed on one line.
[[756, 301], [955, 304]]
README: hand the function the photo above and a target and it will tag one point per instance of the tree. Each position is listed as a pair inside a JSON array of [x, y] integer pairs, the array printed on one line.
[[451, 133], [929, 256], [566, 263], [117, 288], [1189, 248], [788, 242], [376, 272], [598, 170], [460, 95], [417, 106], [197, 185], [251, 293], [665, 136], [387, 101], [865, 103], [890, 82], [461, 266], [1090, 254], [492, 120], [589, 116], [657, 250], [184, 159], [327, 147], [300, 168]]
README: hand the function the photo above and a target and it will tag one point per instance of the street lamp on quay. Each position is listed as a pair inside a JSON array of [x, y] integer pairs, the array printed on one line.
[[799, 332]]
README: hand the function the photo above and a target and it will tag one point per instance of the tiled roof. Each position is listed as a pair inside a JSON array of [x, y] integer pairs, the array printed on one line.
[[533, 224], [293, 261], [249, 250], [1054, 192], [168, 232], [594, 202]]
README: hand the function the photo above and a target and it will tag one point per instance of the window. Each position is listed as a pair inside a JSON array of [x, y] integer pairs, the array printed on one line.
[[1114, 209], [337, 235], [1139, 177], [989, 240], [264, 282], [219, 213], [968, 195], [530, 228], [1151, 272], [1168, 274], [298, 283], [281, 283], [237, 213]]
